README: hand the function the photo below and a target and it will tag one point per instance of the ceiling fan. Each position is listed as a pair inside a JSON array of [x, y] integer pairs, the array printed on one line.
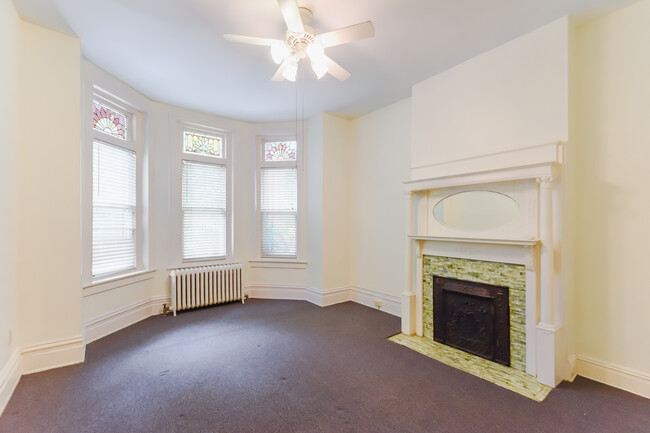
[[301, 42]]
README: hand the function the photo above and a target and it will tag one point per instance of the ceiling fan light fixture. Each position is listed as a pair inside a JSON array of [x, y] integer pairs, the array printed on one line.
[[279, 52], [316, 54], [291, 70]]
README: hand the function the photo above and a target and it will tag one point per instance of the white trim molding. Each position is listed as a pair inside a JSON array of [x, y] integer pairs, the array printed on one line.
[[106, 324], [117, 282], [52, 354], [9, 377], [524, 163], [613, 375], [388, 303]]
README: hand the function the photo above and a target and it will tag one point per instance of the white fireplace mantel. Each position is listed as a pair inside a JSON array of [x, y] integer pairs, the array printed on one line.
[[531, 176], [520, 242]]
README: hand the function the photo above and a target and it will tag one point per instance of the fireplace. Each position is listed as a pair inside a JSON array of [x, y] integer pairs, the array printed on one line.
[[520, 254], [473, 317]]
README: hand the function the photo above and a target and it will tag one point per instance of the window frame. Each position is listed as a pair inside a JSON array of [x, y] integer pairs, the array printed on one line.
[[178, 142], [134, 142], [294, 262]]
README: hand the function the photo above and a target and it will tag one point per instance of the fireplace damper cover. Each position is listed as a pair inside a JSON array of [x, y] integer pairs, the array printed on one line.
[[473, 317]]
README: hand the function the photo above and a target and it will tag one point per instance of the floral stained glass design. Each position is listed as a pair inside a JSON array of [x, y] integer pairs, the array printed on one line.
[[203, 144], [280, 151], [109, 121]]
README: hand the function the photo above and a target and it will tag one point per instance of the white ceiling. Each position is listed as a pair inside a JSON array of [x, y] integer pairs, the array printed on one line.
[[173, 50]]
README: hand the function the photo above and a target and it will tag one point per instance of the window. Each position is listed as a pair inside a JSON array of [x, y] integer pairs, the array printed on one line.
[[204, 179], [116, 217], [278, 199], [114, 209]]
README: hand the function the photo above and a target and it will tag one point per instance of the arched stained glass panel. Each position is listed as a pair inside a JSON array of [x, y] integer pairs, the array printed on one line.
[[280, 151], [203, 144], [109, 121]]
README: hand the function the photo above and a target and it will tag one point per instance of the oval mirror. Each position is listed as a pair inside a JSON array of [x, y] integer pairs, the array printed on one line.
[[475, 210]]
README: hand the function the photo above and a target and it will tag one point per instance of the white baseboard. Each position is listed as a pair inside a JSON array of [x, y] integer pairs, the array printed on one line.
[[102, 326], [9, 377], [610, 374], [53, 354], [389, 304], [276, 291], [333, 296]]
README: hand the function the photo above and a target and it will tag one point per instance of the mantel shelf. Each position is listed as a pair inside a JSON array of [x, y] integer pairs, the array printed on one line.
[[519, 242]]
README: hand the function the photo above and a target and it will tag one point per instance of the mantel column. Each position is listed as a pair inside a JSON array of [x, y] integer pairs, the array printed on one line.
[[408, 296], [549, 353], [548, 294]]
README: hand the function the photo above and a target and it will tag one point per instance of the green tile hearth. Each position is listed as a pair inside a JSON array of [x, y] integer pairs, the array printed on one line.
[[506, 377]]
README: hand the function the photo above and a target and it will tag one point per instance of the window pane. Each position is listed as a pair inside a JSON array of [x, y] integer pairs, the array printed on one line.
[[279, 189], [279, 151], [204, 210], [114, 209], [109, 121], [279, 205], [279, 234], [203, 144]]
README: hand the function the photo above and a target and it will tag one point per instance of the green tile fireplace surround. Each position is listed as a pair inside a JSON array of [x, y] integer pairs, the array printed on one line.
[[498, 274]]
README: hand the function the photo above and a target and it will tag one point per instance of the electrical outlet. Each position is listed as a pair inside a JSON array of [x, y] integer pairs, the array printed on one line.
[[378, 305]]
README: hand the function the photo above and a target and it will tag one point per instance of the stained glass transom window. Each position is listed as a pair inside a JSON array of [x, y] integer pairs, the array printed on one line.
[[203, 144], [280, 151], [109, 121]]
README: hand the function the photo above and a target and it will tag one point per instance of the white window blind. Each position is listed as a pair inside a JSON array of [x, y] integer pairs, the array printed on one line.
[[279, 209], [204, 210], [114, 209]]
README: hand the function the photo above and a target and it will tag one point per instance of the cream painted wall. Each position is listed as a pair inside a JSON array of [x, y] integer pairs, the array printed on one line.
[[335, 212], [9, 23], [513, 96], [315, 200], [102, 303], [611, 232], [328, 201], [379, 164], [49, 171]]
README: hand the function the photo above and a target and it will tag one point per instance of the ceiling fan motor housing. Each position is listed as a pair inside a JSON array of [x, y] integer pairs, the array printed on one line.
[[298, 42]]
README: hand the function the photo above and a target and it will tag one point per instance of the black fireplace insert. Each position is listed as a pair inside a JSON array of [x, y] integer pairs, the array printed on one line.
[[474, 317]]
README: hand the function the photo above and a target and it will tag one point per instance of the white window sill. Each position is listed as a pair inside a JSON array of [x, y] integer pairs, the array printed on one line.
[[111, 283], [201, 264], [199, 260], [278, 263]]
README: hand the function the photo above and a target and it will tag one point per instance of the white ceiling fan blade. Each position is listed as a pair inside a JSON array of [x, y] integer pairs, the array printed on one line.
[[291, 14], [347, 34], [336, 70], [253, 40], [279, 73]]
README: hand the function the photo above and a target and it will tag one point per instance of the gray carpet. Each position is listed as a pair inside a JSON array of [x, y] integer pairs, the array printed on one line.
[[290, 366]]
